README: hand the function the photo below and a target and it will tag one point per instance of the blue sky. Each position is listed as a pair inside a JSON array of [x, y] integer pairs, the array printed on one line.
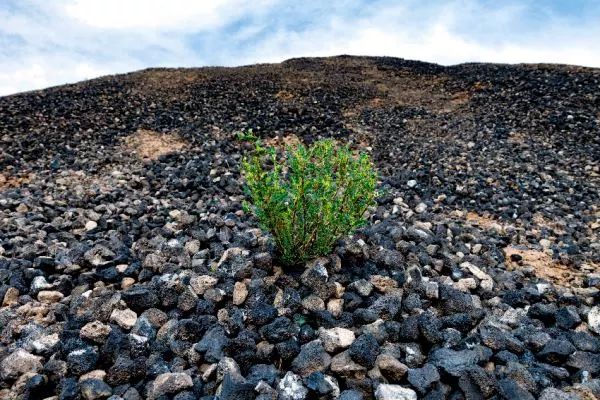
[[45, 43]]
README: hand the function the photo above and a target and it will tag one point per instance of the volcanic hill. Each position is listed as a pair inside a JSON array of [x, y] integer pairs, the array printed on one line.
[[129, 270]]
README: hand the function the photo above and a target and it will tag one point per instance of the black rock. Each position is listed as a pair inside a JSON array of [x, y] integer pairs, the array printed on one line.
[[364, 350], [423, 378], [280, 329], [261, 314], [510, 390], [556, 351], [212, 344], [262, 372], [567, 317], [82, 360], [139, 298]]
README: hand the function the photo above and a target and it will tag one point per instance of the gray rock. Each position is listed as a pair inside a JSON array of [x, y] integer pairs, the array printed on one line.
[[19, 362], [312, 357], [423, 378], [169, 383], [94, 389], [556, 394], [316, 277], [454, 362]]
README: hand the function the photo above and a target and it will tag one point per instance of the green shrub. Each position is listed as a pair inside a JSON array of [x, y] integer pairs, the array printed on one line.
[[310, 197], [246, 136]]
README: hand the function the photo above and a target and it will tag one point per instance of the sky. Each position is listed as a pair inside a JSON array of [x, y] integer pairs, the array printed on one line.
[[50, 42]]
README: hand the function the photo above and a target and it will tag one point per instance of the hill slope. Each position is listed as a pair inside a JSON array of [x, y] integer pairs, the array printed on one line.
[[123, 193]]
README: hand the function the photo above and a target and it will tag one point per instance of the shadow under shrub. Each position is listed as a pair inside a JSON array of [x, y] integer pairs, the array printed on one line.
[[310, 197]]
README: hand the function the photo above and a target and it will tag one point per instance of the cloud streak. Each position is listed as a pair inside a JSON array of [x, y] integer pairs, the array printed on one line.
[[48, 43]]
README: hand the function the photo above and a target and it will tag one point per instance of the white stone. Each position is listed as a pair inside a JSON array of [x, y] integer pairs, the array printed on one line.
[[594, 319], [421, 208], [336, 339], [90, 225], [291, 387], [411, 184], [124, 318], [394, 392]]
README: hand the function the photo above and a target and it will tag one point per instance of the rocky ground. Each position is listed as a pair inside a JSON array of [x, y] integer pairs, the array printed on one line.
[[128, 269]]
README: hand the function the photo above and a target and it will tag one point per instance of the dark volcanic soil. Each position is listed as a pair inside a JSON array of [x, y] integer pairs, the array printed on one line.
[[128, 268]]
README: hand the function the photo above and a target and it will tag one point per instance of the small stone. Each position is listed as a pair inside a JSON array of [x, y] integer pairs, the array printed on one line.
[[556, 351], [567, 317], [291, 388], [323, 385], [82, 360], [551, 393], [18, 363], [169, 383], [91, 225], [384, 284], [336, 339], [50, 296], [466, 284], [316, 277], [127, 282], [95, 331], [394, 392], [364, 350], [45, 343], [411, 183], [312, 358], [423, 378], [421, 208], [593, 318], [215, 295], [344, 366], [335, 307], [240, 292], [202, 283], [95, 389], [432, 290], [10, 297], [39, 283], [313, 303], [126, 319], [362, 287], [391, 367]]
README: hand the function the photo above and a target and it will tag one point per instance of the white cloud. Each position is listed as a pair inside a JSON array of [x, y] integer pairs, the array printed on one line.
[[174, 15], [49, 43]]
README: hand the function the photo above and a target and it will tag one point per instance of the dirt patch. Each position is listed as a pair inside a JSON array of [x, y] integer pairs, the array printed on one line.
[[483, 221], [290, 140], [543, 222], [150, 145], [547, 268], [8, 181], [284, 95]]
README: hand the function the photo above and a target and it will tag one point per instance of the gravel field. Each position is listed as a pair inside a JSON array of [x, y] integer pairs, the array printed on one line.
[[129, 270]]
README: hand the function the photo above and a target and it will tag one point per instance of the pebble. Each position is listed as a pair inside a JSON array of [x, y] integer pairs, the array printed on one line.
[[126, 319], [394, 392]]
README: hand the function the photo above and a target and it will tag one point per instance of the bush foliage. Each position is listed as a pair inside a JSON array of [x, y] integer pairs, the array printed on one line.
[[309, 197]]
